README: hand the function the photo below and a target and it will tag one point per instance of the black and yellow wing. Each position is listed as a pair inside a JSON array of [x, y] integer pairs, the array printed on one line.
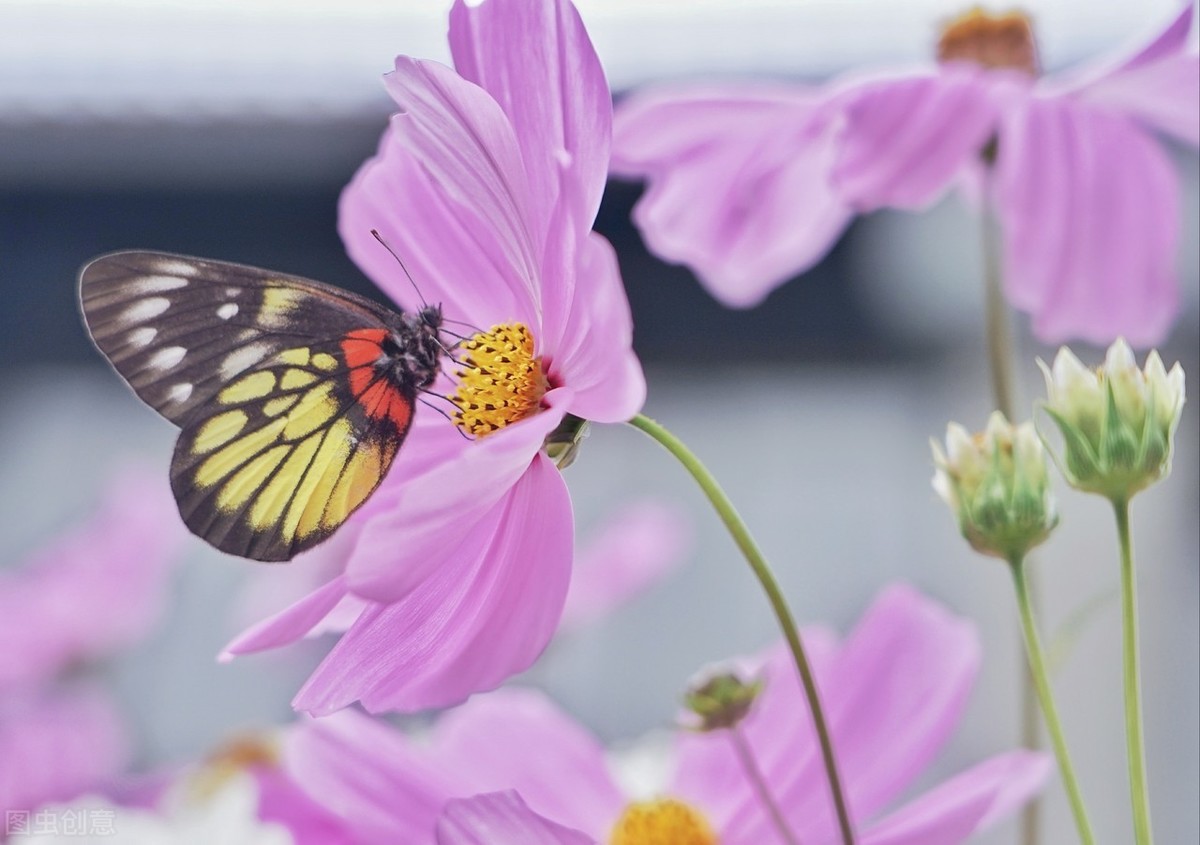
[[289, 422]]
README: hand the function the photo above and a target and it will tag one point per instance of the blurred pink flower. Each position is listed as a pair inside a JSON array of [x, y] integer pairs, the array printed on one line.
[[487, 183], [55, 745], [98, 588], [634, 548], [894, 691], [752, 184]]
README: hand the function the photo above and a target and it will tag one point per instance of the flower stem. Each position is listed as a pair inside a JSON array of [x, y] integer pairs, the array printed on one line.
[[749, 549], [1041, 680], [1139, 789], [746, 755], [1000, 350]]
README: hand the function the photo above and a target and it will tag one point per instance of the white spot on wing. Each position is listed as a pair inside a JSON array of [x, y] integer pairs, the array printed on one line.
[[157, 284], [227, 310], [232, 292], [241, 359], [167, 357], [145, 309], [175, 268], [180, 392], [141, 337]]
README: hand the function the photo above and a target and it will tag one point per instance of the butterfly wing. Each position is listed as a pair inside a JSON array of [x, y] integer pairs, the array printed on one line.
[[287, 425]]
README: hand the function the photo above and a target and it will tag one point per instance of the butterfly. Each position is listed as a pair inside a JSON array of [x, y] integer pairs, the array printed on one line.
[[292, 396]]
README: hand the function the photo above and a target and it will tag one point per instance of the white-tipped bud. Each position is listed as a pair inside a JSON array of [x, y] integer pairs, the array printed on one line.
[[997, 485], [1117, 422]]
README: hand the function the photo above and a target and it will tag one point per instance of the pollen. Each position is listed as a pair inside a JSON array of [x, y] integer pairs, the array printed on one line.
[[500, 380], [993, 41], [662, 821]]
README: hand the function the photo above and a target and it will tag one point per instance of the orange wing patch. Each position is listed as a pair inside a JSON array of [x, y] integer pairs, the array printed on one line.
[[377, 397]]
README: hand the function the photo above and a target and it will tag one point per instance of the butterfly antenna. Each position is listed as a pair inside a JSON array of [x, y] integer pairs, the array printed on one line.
[[471, 326], [375, 234], [426, 402]]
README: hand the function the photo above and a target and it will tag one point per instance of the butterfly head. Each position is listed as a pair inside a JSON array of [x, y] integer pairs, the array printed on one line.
[[414, 348]]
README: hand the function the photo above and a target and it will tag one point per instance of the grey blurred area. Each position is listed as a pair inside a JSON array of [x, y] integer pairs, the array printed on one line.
[[226, 130]]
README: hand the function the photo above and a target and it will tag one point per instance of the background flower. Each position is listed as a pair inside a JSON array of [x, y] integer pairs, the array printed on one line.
[[894, 690], [1087, 199]]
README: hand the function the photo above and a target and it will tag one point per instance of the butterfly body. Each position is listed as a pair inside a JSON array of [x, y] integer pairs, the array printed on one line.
[[293, 397]]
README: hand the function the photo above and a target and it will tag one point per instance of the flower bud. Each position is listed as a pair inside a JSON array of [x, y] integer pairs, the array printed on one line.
[[721, 700], [997, 485], [1117, 422]]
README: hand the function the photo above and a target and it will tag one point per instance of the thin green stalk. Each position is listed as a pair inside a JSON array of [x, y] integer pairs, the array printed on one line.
[[1001, 354], [1139, 788], [746, 755], [1041, 680], [749, 549]]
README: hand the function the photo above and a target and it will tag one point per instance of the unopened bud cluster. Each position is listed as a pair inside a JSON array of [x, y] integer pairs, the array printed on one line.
[[1117, 422], [997, 485]]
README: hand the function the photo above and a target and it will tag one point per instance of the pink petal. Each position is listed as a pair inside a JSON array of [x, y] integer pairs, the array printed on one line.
[[738, 182], [383, 788], [967, 804], [54, 746], [1164, 96], [281, 801], [594, 355], [635, 547], [270, 589], [512, 738], [290, 624], [98, 588], [537, 61], [448, 192], [501, 817], [1158, 85], [448, 515], [905, 140], [1090, 211], [467, 627]]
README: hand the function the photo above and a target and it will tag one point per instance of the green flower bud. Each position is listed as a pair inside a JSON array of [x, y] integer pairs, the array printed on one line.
[[721, 700], [997, 485], [1117, 422]]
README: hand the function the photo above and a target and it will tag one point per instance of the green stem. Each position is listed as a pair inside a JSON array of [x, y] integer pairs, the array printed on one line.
[[1001, 353], [1139, 789], [1041, 680], [999, 334], [746, 755], [749, 549]]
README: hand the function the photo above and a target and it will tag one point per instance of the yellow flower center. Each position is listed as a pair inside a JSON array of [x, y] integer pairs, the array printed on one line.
[[993, 41], [235, 757], [500, 380], [662, 822]]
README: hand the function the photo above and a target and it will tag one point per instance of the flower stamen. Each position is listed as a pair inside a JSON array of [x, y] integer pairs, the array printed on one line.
[[992, 41], [662, 820], [501, 381]]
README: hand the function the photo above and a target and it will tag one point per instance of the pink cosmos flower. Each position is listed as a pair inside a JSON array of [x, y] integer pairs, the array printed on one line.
[[96, 589], [752, 184], [486, 184], [511, 761]]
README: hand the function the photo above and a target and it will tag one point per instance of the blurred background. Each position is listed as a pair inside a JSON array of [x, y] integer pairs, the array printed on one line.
[[228, 129]]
